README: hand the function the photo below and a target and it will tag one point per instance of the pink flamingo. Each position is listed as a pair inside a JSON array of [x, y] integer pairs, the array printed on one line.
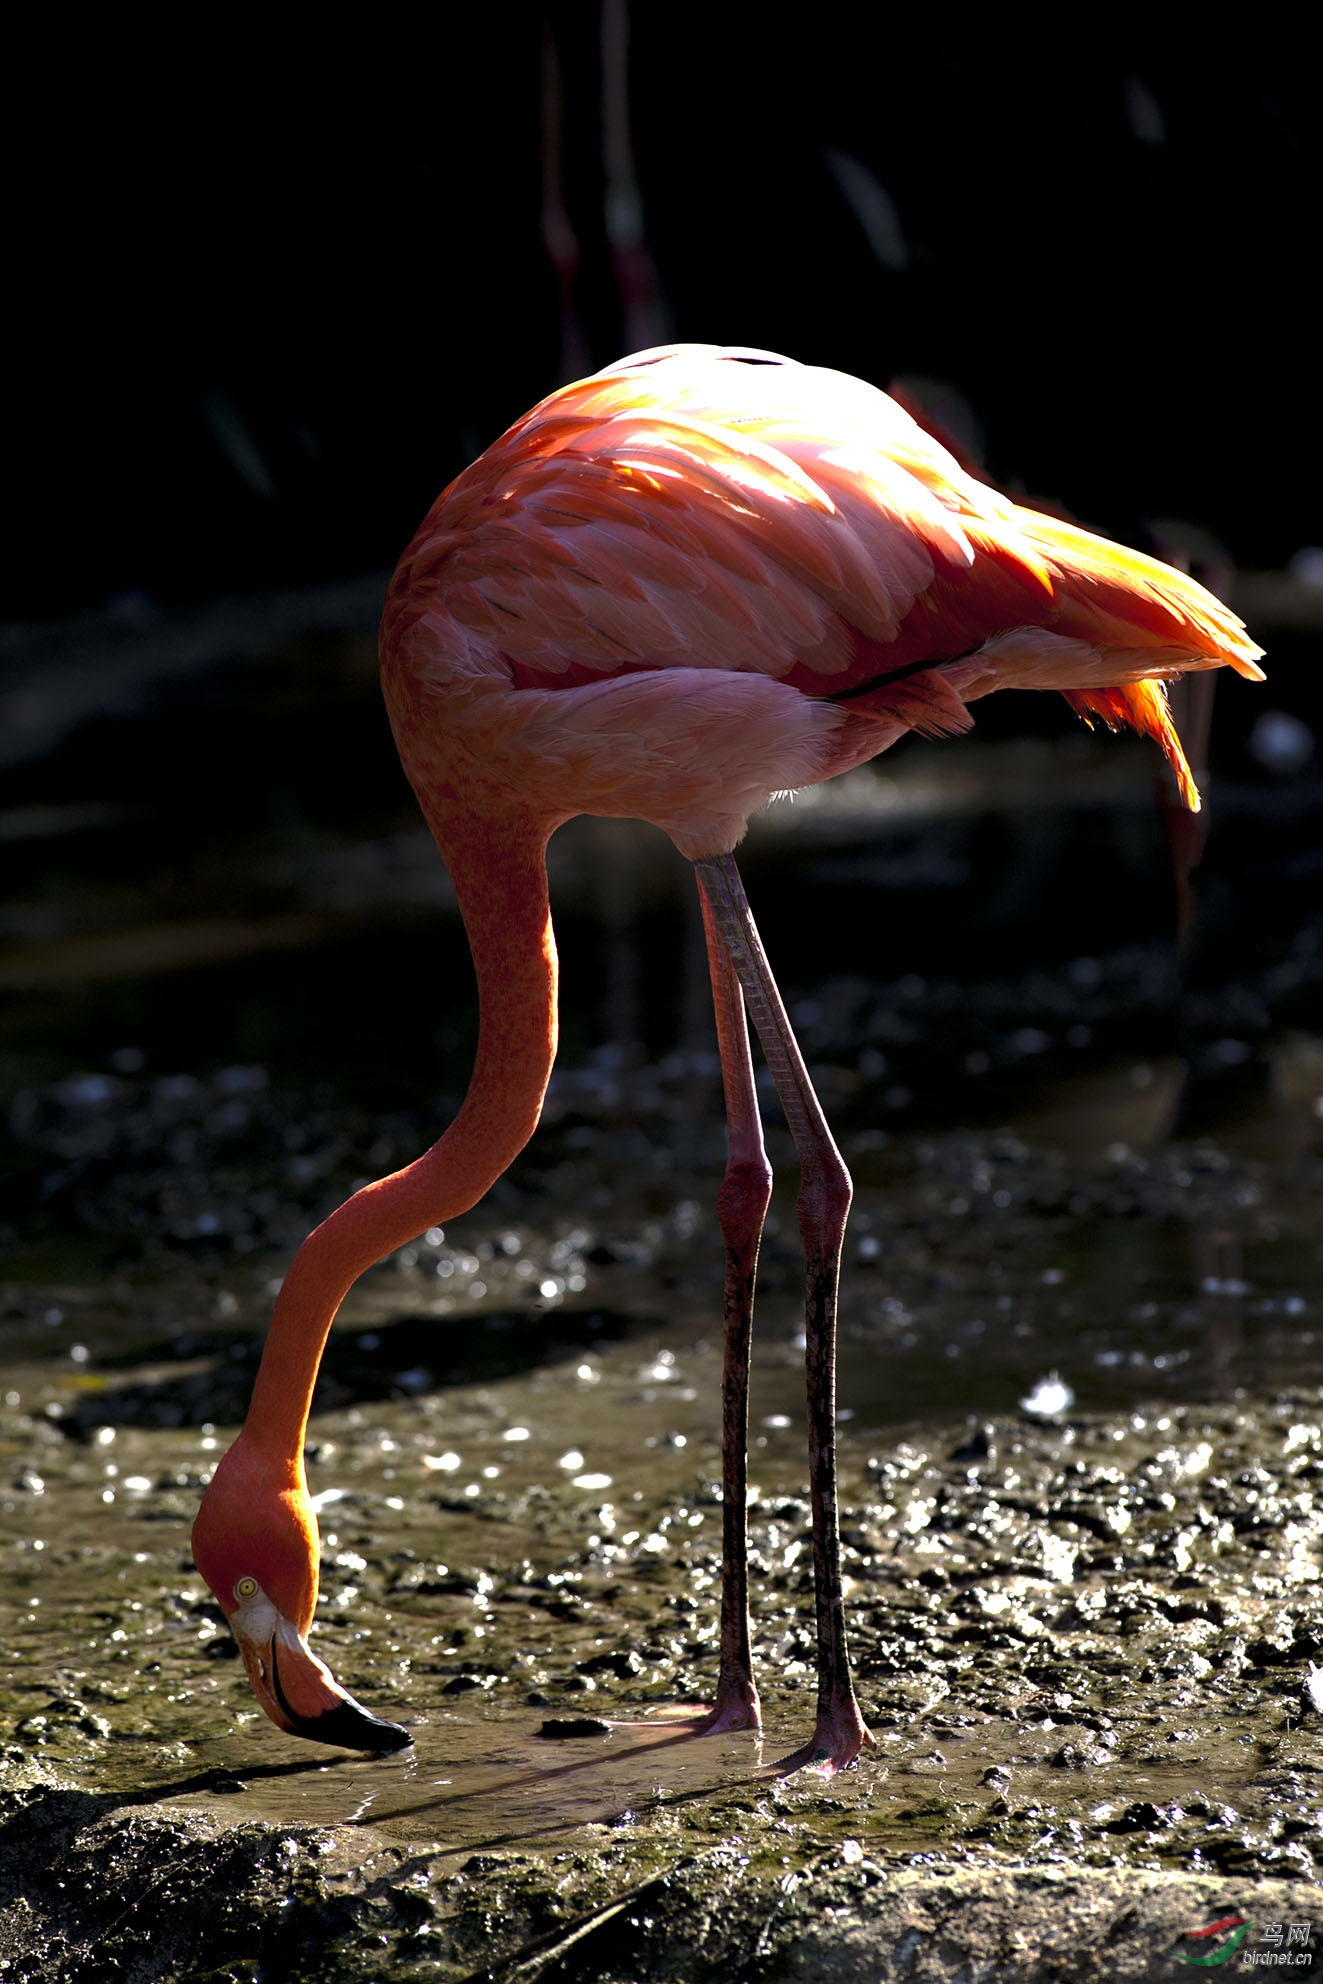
[[700, 578]]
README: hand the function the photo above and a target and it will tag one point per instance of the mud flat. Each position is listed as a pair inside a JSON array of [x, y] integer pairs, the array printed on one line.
[[1089, 1646]]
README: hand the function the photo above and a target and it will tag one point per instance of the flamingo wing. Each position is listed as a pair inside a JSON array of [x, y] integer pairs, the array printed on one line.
[[726, 510], [648, 519]]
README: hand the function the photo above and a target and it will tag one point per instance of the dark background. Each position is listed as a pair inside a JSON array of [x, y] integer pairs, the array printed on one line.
[[268, 297]]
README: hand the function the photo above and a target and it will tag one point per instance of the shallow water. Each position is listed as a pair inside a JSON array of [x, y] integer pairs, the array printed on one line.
[[1062, 1601]]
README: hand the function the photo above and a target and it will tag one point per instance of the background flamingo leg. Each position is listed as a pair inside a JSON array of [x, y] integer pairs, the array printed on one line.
[[824, 1203]]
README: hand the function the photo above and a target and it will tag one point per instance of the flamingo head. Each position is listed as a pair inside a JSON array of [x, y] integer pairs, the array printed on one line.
[[255, 1542]]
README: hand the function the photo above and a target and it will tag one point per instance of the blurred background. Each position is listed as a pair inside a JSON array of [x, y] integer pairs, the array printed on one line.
[[269, 298]]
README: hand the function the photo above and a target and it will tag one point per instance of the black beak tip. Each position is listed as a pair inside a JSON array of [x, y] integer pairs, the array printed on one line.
[[350, 1727]]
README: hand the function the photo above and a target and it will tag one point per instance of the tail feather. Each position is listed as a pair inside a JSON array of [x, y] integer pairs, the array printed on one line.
[[1125, 592], [1129, 593], [1141, 706]]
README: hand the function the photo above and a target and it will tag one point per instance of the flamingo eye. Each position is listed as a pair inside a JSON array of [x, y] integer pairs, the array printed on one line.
[[245, 1587]]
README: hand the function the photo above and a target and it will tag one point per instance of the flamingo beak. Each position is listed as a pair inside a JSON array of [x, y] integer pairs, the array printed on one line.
[[297, 1690]]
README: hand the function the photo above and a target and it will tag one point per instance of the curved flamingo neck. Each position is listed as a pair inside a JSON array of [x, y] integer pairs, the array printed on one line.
[[498, 866]]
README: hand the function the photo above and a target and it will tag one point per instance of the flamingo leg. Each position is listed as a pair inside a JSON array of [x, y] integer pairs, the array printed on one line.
[[824, 1203], [742, 1202]]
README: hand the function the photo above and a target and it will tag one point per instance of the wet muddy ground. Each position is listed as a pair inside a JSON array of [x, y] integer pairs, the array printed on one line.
[[1089, 1636], [1080, 1393]]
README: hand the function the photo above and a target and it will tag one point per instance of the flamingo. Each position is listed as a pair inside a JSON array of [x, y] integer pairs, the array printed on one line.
[[700, 578]]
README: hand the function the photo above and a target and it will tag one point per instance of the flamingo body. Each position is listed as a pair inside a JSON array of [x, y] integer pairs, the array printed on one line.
[[671, 591], [704, 577]]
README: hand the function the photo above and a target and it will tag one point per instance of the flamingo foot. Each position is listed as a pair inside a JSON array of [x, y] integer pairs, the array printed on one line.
[[835, 1744], [736, 1708]]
